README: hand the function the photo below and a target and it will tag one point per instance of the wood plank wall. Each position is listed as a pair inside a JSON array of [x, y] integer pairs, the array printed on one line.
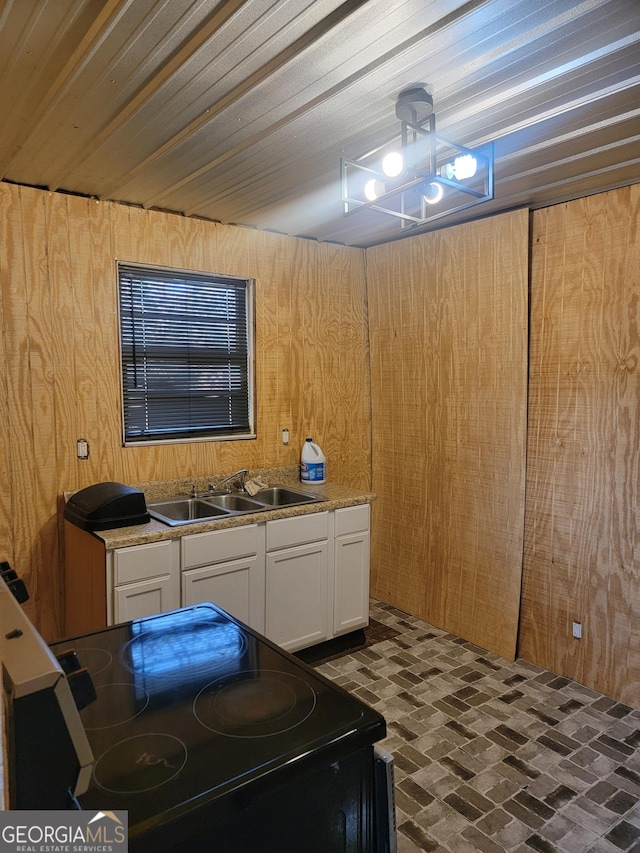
[[582, 542], [448, 332], [59, 349]]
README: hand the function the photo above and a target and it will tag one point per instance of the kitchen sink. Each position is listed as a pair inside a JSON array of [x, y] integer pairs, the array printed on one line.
[[234, 503], [183, 510], [187, 510], [279, 496]]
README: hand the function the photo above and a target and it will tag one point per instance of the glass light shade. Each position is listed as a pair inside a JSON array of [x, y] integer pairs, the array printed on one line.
[[392, 164], [373, 189], [434, 193]]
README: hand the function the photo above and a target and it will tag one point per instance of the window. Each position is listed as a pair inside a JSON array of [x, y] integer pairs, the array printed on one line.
[[186, 342]]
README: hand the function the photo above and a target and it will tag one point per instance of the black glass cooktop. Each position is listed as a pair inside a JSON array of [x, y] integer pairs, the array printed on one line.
[[192, 705]]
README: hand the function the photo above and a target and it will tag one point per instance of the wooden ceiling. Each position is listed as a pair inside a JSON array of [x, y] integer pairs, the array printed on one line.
[[240, 110]]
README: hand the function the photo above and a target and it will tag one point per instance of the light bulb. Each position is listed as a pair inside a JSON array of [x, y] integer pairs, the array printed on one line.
[[462, 168], [434, 193], [373, 189], [392, 164]]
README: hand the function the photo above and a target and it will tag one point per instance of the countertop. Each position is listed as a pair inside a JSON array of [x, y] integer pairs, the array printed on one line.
[[335, 497]]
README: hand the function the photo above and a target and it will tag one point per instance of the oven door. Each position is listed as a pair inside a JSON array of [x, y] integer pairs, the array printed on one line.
[[48, 754], [384, 801]]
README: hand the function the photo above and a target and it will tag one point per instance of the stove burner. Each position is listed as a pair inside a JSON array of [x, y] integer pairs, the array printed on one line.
[[256, 703], [95, 660], [140, 763], [253, 704], [115, 704], [169, 652]]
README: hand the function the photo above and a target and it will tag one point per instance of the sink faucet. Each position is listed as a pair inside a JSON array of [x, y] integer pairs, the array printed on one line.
[[240, 476], [227, 482]]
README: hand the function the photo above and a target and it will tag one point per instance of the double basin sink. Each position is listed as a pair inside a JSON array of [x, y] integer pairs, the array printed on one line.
[[187, 510]]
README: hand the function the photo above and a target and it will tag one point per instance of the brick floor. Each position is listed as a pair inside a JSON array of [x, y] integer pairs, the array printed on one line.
[[492, 755]]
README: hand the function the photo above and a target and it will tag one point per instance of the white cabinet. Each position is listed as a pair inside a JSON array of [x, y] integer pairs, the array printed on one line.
[[227, 568], [145, 580], [228, 585], [144, 598], [300, 580], [351, 569], [297, 612], [299, 530]]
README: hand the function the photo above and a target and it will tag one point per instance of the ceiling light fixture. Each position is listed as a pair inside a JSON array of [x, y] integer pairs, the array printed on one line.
[[417, 176]]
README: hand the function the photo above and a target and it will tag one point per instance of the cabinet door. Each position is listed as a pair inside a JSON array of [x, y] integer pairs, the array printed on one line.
[[296, 611], [145, 598], [351, 583], [233, 586]]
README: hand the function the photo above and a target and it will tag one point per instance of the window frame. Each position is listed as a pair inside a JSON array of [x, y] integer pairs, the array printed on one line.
[[193, 275]]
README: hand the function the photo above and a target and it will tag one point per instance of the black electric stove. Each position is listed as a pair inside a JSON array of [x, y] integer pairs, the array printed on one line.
[[206, 732]]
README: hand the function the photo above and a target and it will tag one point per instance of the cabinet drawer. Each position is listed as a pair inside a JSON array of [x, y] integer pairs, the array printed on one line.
[[352, 519], [297, 531], [205, 548], [142, 561]]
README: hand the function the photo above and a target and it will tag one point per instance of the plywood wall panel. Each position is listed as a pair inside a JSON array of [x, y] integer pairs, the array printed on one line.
[[347, 408], [7, 262], [23, 318], [51, 332], [448, 330], [102, 431], [582, 520], [61, 378], [305, 335]]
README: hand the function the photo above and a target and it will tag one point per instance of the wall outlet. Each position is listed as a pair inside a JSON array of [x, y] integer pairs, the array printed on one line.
[[82, 448], [285, 436], [577, 630]]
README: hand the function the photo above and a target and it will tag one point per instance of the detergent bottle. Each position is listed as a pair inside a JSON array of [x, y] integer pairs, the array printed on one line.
[[312, 463]]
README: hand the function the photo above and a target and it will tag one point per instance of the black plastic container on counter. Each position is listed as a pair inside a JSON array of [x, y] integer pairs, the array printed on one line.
[[105, 506]]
